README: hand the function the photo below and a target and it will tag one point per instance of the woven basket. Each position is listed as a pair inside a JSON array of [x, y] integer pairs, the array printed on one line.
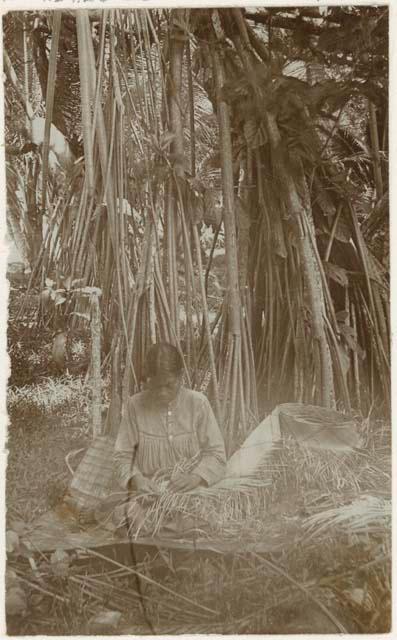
[[319, 427], [93, 479], [314, 427]]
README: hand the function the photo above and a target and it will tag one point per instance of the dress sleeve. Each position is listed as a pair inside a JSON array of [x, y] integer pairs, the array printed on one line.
[[212, 465], [125, 447]]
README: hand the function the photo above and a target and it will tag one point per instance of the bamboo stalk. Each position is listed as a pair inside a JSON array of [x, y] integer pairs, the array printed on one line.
[[85, 93], [177, 46], [49, 102], [218, 411], [104, 155], [26, 66], [253, 385], [171, 330], [106, 164], [339, 626], [363, 252], [123, 179], [234, 301], [191, 110], [333, 231], [152, 313], [96, 78], [242, 412], [339, 368], [45, 592], [245, 364], [228, 359], [381, 322], [92, 240], [189, 314], [172, 269], [228, 197], [211, 256], [96, 365], [373, 129], [113, 66], [356, 370], [149, 580], [233, 409], [141, 284], [79, 226]]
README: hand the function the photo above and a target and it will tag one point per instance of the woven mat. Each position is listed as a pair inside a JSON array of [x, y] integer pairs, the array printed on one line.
[[54, 530]]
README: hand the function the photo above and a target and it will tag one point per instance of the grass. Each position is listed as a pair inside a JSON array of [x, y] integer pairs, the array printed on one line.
[[66, 395], [326, 516], [46, 422], [318, 487], [249, 597]]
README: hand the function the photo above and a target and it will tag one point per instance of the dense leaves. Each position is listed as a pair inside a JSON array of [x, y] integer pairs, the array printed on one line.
[[298, 202]]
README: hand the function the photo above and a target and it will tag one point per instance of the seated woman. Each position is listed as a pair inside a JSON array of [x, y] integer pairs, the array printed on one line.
[[165, 424]]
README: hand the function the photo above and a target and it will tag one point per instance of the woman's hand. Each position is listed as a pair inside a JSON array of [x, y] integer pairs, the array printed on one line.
[[185, 482]]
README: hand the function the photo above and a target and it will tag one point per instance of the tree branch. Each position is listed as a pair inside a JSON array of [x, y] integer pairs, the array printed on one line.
[[284, 22]]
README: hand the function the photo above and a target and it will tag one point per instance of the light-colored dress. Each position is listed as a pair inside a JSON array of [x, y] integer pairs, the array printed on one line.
[[151, 439]]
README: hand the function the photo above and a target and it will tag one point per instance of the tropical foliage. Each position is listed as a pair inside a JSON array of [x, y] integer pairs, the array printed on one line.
[[221, 176]]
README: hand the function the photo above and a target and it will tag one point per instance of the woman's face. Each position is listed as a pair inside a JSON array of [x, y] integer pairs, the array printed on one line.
[[165, 387]]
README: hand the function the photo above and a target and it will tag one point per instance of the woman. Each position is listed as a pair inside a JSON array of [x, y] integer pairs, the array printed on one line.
[[165, 424]]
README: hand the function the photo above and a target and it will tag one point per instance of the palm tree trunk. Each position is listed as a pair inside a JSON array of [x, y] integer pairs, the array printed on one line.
[[322, 355]]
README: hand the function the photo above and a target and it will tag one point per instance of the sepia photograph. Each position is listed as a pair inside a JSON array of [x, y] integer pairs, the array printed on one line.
[[198, 324]]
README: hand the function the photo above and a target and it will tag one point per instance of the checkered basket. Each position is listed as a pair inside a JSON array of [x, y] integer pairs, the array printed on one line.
[[93, 480]]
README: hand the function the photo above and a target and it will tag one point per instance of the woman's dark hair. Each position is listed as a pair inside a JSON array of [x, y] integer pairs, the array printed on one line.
[[163, 358]]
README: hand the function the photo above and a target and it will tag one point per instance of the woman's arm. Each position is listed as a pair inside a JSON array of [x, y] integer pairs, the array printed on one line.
[[211, 467]]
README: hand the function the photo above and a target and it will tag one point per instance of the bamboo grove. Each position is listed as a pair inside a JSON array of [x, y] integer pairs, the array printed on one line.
[[188, 120]]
